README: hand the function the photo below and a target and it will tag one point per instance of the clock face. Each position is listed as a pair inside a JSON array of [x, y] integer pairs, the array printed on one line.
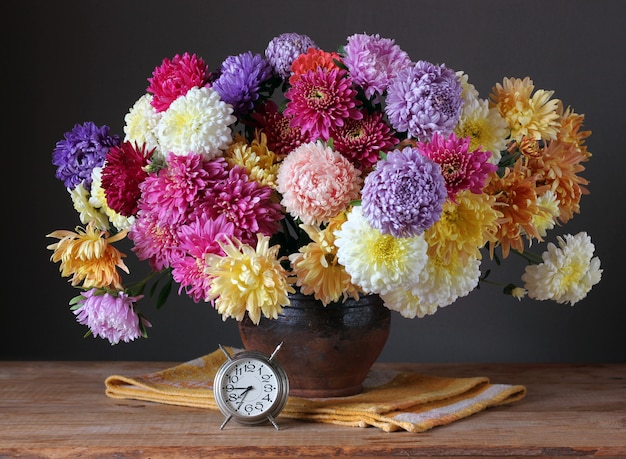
[[250, 389]]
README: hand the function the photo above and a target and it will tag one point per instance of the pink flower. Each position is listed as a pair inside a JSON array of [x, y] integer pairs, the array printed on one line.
[[173, 78], [197, 239], [317, 183], [461, 169], [155, 241], [322, 99]]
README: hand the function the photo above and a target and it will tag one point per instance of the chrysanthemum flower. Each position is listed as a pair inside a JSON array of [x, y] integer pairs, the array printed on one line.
[[534, 116], [424, 99], [197, 122], [317, 183], [404, 194], [570, 131], [547, 212], [82, 149], [89, 257], [378, 263], [99, 201], [313, 59], [567, 272], [240, 81], [461, 168], [140, 124], [464, 227], [173, 192], [372, 62], [155, 240], [173, 78], [322, 99], [485, 128], [282, 138], [362, 141], [248, 280], [86, 210], [260, 163], [111, 317], [246, 203], [197, 239], [516, 199], [283, 49], [558, 168], [318, 270], [122, 174]]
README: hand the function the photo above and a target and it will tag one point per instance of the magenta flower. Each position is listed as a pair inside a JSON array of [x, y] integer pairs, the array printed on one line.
[[173, 78], [404, 195], [155, 241], [461, 169], [197, 239], [111, 317], [320, 100]]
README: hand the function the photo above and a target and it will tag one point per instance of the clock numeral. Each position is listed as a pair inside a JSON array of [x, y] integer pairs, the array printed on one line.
[[266, 377], [232, 379], [267, 398], [249, 367], [268, 387]]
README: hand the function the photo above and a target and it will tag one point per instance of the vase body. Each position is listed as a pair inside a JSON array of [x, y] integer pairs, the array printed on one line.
[[328, 350]]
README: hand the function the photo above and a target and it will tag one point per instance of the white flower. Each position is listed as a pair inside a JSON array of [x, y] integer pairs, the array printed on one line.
[[197, 122], [141, 123], [99, 201], [378, 263], [545, 219], [567, 273], [86, 211]]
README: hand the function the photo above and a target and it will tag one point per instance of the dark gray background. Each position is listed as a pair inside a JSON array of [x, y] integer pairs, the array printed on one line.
[[67, 62]]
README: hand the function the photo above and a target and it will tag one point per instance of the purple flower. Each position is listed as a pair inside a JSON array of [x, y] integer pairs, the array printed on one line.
[[110, 317], [424, 99], [82, 149], [373, 61], [240, 80], [404, 195], [283, 49]]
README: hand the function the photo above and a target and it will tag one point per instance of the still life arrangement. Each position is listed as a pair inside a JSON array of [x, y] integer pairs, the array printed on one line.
[[335, 173]]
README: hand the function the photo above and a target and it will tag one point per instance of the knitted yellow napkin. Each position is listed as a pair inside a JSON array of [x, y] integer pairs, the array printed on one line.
[[391, 400]]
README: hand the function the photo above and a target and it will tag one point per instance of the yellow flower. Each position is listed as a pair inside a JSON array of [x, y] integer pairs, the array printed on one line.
[[535, 116], [88, 256], [260, 163], [248, 279]]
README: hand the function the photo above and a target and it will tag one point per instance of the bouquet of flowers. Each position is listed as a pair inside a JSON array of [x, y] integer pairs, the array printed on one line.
[[338, 173]]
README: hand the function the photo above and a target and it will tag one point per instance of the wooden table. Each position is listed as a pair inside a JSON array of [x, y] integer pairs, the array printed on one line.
[[59, 409]]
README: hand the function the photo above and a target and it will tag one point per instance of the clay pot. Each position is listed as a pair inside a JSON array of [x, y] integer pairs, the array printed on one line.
[[328, 350]]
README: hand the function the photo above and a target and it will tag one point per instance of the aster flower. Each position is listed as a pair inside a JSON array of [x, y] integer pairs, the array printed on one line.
[[567, 272], [248, 280], [123, 172], [241, 79], [424, 99], [283, 49], [173, 78], [373, 61], [377, 262], [140, 124], [197, 239], [317, 183], [461, 168], [321, 100], [362, 141], [111, 317], [404, 195], [282, 138], [89, 257], [198, 122], [313, 59], [82, 149], [533, 116]]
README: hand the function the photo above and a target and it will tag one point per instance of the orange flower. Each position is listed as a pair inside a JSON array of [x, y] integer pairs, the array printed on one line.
[[570, 131], [88, 257], [311, 60]]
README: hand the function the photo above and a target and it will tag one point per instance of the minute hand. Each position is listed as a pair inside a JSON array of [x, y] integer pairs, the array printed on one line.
[[243, 395]]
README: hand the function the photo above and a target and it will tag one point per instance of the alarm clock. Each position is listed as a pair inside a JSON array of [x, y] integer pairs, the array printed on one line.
[[251, 387]]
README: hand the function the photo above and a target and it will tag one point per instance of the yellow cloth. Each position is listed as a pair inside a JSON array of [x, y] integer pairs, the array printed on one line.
[[391, 400]]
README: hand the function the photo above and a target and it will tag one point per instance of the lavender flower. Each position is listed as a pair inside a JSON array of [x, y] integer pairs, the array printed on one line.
[[110, 317], [405, 194], [373, 61], [283, 49], [241, 79], [424, 99], [82, 149]]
